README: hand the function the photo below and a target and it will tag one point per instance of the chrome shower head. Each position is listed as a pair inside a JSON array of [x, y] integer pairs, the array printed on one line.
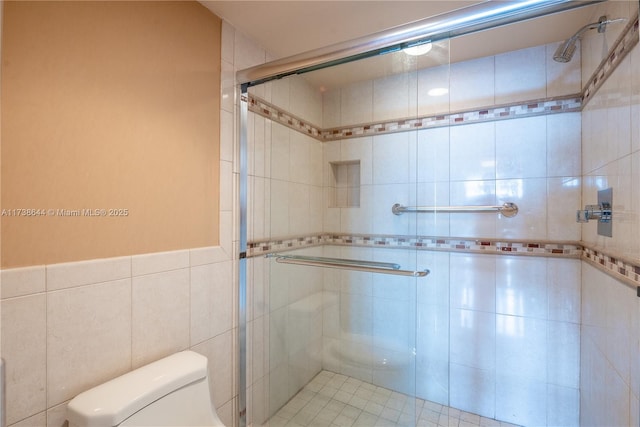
[[565, 51]]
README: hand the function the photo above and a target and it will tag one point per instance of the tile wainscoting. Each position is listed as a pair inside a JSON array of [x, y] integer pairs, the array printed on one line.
[[90, 321]]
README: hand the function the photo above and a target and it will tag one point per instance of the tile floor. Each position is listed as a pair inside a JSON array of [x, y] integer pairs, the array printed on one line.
[[334, 400]]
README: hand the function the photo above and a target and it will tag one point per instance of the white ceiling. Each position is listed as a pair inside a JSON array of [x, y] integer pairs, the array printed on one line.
[[286, 28]]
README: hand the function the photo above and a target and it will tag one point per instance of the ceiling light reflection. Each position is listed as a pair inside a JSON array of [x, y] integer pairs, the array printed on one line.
[[421, 49], [438, 91]]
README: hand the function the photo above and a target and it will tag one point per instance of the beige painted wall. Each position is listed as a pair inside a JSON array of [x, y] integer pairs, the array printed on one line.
[[108, 105]]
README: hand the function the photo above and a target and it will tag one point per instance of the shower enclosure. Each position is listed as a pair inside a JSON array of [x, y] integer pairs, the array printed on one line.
[[333, 200], [411, 246]]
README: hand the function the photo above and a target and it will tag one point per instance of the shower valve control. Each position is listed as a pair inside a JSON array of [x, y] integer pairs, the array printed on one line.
[[600, 212]]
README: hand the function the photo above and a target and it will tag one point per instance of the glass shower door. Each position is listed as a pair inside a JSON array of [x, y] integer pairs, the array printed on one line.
[[334, 150]]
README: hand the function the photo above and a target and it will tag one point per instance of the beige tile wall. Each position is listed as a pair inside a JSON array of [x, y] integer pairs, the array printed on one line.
[[610, 344], [69, 327], [611, 144], [610, 372]]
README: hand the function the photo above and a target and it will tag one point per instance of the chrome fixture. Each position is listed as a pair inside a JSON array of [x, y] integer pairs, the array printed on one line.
[[565, 51], [603, 212], [507, 209], [243, 160], [347, 264]]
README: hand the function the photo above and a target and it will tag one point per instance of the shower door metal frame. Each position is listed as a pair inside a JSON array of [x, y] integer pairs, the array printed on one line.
[[242, 260], [467, 20], [482, 16]]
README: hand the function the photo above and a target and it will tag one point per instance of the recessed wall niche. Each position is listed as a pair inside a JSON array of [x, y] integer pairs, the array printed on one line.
[[344, 190]]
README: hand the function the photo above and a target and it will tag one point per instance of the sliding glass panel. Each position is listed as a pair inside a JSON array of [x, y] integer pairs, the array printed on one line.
[[333, 151]]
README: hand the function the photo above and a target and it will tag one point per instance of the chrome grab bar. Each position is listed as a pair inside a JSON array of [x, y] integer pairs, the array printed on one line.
[[347, 264], [507, 209], [344, 261]]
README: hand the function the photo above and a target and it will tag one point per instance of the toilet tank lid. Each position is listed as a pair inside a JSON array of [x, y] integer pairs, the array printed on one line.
[[114, 401]]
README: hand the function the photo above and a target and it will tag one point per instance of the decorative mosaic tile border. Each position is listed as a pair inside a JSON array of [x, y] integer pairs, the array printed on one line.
[[427, 243], [509, 111], [627, 40], [269, 246], [278, 115], [503, 112], [622, 270], [485, 246], [625, 271]]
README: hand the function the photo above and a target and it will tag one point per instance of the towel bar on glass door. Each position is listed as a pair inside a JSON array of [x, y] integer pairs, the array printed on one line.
[[347, 264], [507, 209]]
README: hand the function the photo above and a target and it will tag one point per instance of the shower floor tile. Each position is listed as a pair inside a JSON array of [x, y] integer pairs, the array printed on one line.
[[334, 400]]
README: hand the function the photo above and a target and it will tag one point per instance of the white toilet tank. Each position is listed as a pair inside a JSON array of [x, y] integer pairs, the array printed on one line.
[[173, 391]]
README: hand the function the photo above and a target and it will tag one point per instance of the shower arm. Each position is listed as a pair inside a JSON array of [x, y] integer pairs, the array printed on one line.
[[601, 25], [565, 51]]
